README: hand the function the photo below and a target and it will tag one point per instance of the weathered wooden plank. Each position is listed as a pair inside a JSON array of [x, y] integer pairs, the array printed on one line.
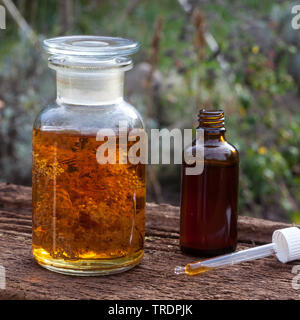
[[153, 278], [14, 196]]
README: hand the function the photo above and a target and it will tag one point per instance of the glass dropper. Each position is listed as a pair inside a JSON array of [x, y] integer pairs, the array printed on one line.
[[285, 245]]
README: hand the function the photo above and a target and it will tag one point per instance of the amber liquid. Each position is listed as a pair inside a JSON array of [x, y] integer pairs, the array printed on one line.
[[209, 210], [192, 272], [87, 217]]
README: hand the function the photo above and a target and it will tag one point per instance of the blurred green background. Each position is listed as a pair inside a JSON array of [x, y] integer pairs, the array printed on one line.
[[242, 56]]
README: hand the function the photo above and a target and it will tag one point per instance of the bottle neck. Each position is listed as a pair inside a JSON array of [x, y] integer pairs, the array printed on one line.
[[88, 88], [216, 135], [212, 123]]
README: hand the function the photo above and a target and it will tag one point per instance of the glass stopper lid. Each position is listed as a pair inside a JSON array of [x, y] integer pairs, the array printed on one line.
[[91, 46]]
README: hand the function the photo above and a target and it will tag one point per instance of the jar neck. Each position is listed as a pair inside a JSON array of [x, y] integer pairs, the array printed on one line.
[[212, 122], [90, 88]]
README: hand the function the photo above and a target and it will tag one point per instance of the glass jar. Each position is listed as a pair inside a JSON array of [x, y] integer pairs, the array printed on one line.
[[88, 215], [209, 201]]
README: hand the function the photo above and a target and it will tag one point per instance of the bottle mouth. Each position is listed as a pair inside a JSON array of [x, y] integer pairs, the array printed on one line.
[[69, 63], [211, 119], [90, 52]]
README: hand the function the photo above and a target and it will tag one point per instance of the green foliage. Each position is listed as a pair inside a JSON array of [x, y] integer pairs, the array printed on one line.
[[258, 93]]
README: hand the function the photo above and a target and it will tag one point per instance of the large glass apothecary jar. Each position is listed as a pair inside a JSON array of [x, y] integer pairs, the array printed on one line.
[[88, 214]]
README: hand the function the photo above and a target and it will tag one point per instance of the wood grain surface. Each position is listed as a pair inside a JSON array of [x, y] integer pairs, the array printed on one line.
[[154, 277]]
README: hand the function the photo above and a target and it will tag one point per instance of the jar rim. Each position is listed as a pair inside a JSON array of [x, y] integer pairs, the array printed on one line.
[[89, 53], [67, 63]]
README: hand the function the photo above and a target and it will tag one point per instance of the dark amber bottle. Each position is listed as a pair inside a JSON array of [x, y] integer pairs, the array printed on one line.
[[208, 221]]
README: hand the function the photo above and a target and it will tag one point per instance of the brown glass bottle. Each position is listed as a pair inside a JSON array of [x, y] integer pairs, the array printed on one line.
[[208, 221]]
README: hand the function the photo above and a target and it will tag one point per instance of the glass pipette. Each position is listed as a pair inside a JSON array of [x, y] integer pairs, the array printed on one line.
[[285, 245]]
